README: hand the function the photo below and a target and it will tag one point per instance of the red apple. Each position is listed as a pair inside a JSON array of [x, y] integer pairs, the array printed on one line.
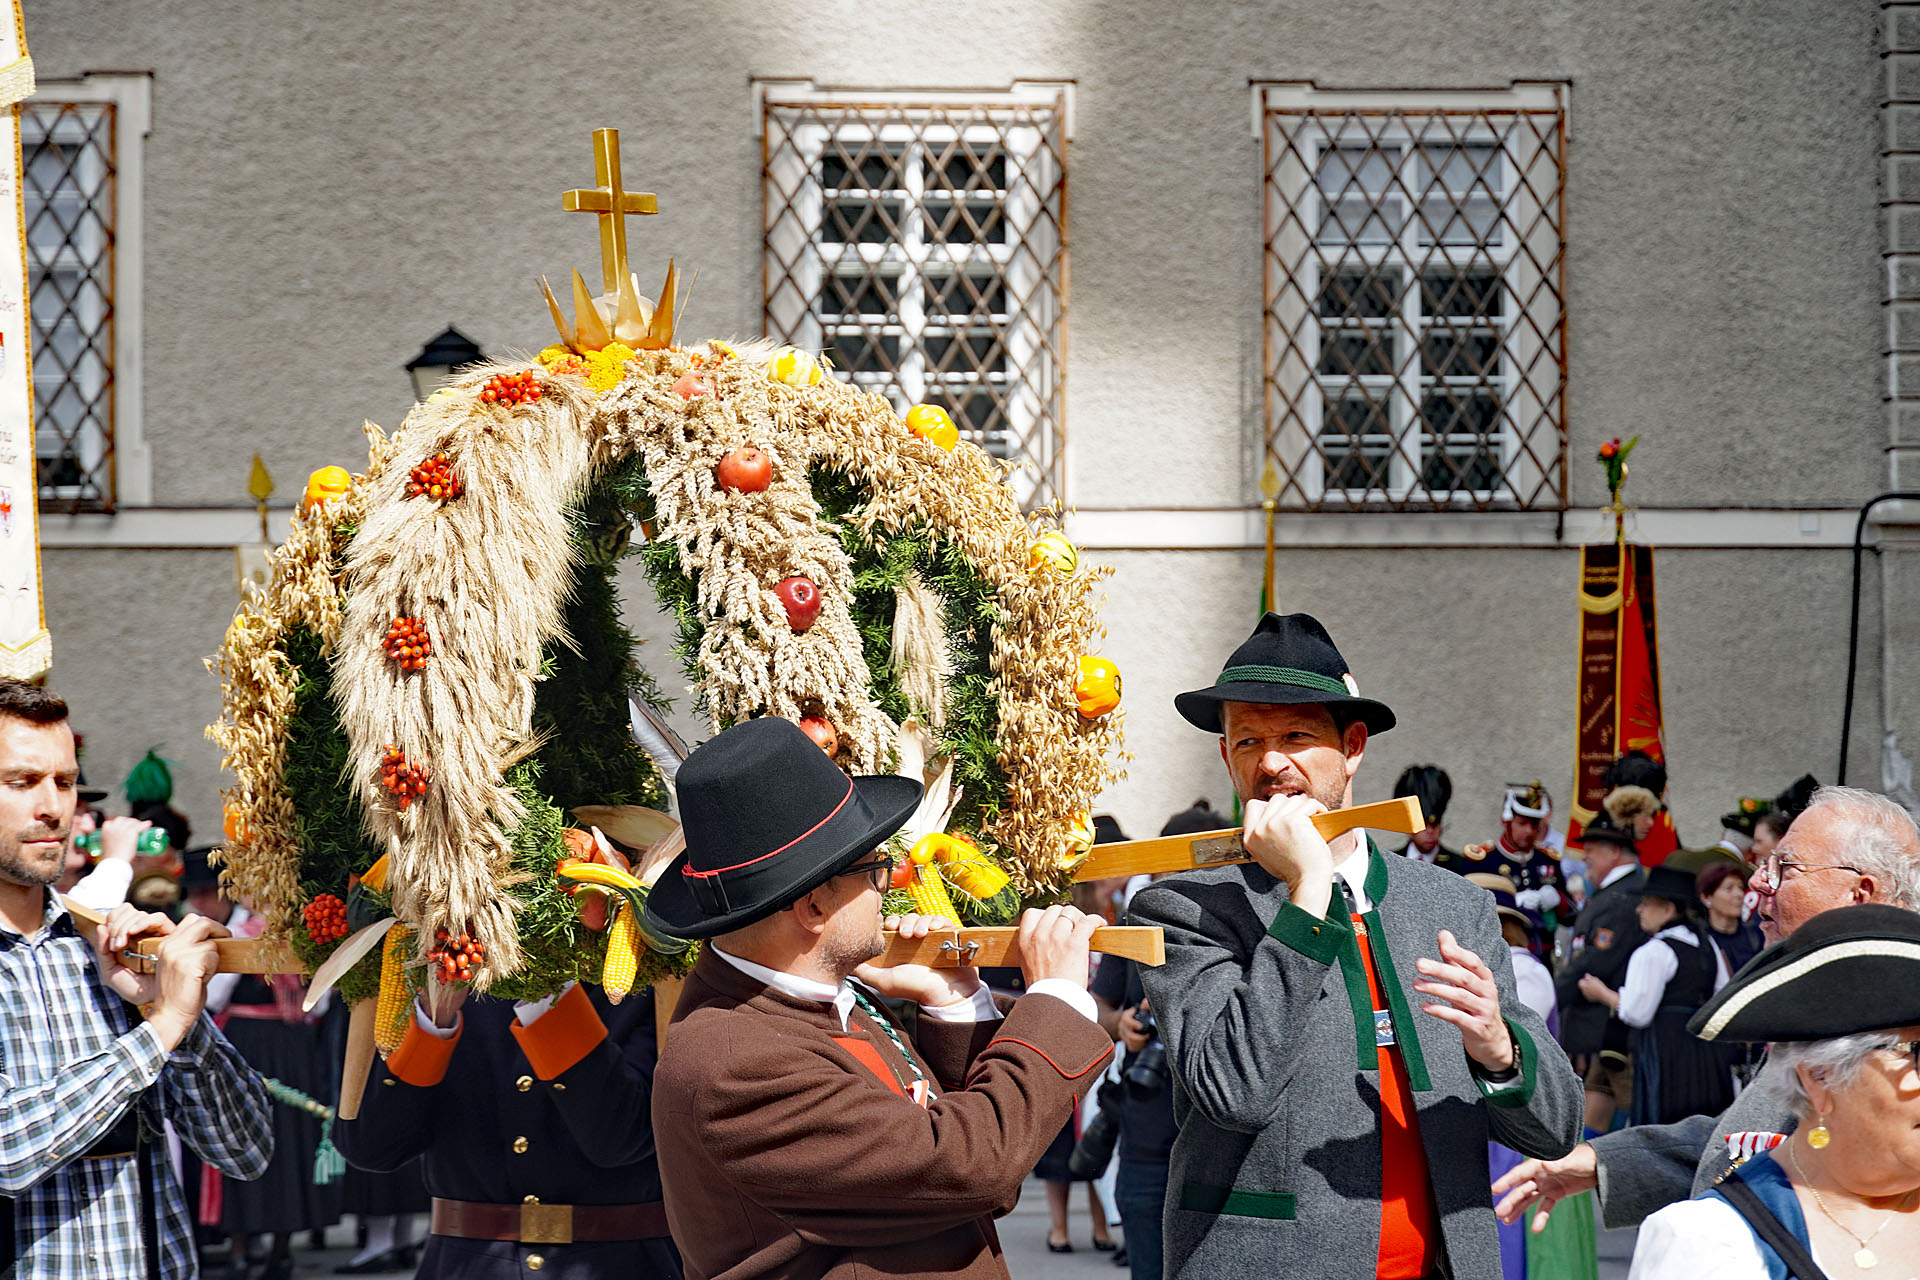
[[692, 386], [802, 600], [747, 469], [901, 877], [821, 730]]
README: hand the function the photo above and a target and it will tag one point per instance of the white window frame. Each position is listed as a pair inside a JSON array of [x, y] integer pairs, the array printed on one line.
[[1527, 311], [130, 95], [794, 311]]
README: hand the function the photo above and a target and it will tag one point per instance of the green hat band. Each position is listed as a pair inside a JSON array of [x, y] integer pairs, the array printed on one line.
[[1284, 675]]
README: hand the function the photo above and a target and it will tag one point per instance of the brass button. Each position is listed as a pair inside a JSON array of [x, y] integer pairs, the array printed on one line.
[[562, 1088], [535, 1262], [388, 1082], [519, 1146], [524, 1083]]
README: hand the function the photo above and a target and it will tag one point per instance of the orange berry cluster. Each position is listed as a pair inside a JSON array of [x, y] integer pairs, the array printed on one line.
[[402, 777], [407, 643], [326, 919], [434, 479], [511, 388], [455, 958]]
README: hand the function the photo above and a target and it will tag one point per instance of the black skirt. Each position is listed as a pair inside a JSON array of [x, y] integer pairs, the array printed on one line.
[[285, 1197]]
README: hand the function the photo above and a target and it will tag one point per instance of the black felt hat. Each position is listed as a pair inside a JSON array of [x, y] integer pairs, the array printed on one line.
[[1430, 785], [1603, 828], [768, 817], [1286, 661], [1673, 884], [1845, 971]]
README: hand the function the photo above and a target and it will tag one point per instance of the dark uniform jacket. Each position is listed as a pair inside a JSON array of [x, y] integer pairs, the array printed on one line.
[[1444, 858], [792, 1147], [1269, 1026], [1604, 936], [559, 1109]]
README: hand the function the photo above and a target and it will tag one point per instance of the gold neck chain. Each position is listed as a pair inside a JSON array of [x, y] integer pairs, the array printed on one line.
[[1865, 1259]]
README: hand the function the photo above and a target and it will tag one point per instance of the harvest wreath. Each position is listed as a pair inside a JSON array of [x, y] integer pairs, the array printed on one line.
[[436, 681]]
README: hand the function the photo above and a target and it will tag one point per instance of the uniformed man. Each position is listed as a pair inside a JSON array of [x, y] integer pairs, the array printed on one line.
[[1604, 935], [1738, 827], [534, 1125], [1430, 785], [1519, 855]]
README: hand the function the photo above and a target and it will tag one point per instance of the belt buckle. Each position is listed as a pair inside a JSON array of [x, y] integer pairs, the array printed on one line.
[[545, 1223]]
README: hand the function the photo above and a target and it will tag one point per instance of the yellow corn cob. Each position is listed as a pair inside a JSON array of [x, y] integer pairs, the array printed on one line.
[[623, 955], [390, 1018], [928, 893]]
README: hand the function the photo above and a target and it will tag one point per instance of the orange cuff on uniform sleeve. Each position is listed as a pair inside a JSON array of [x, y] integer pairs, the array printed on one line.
[[561, 1036], [422, 1058]]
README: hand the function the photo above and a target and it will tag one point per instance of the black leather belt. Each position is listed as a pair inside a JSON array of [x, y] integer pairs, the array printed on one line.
[[118, 1142]]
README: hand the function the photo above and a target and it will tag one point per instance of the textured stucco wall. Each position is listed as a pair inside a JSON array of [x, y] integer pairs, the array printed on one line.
[[331, 183], [130, 629]]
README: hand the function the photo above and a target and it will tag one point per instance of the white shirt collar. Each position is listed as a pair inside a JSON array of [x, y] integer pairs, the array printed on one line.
[[1353, 869], [1624, 869], [792, 984]]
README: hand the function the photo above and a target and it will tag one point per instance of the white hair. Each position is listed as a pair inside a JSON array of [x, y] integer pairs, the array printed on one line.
[[1879, 839], [1835, 1063]]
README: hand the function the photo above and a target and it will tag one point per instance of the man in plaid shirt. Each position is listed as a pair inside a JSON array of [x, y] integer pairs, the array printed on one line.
[[85, 1190]]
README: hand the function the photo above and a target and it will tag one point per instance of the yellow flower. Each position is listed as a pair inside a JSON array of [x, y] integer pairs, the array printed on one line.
[[604, 367], [551, 355]]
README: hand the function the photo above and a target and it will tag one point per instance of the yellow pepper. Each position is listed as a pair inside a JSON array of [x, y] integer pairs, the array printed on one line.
[[1098, 690], [933, 424]]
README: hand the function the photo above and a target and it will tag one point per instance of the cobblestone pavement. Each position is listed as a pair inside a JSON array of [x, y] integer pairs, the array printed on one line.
[[1023, 1234]]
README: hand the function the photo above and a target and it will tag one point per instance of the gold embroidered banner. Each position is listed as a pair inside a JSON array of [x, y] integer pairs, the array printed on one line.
[[1618, 682], [26, 650]]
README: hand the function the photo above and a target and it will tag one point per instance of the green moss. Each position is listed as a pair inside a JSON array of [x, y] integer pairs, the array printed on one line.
[[333, 840]]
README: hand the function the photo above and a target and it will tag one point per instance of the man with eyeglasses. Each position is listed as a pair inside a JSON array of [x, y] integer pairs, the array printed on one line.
[[805, 1127], [1848, 847]]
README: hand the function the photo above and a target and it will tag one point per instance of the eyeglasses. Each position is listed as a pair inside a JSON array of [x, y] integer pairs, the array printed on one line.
[[1909, 1049], [1773, 871], [876, 872]]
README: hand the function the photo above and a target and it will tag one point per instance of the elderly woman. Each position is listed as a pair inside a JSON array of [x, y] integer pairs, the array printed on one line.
[[1840, 1196]]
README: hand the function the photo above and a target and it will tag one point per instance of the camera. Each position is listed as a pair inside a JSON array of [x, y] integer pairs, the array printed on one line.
[[1144, 1016], [1147, 1073]]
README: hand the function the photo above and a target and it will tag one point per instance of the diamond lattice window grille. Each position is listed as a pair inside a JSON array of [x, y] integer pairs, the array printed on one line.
[[67, 149], [923, 247], [1415, 333]]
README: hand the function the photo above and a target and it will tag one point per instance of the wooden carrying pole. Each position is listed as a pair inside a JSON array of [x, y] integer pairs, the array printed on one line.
[[953, 948], [1218, 848]]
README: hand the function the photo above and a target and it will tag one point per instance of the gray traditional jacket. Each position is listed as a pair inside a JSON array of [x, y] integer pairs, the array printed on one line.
[[1647, 1167], [1269, 1026]]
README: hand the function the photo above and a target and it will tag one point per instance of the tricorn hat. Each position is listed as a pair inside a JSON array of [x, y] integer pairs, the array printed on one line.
[[768, 817], [1849, 970], [1286, 661], [1430, 785]]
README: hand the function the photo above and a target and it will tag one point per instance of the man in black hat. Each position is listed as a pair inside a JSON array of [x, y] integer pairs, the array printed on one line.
[[1430, 785], [1605, 934], [1328, 1126], [810, 1125]]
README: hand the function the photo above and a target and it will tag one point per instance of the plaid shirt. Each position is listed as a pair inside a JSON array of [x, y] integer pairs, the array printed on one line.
[[73, 1057]]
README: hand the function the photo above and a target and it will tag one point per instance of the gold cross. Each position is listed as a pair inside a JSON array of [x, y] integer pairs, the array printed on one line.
[[611, 202]]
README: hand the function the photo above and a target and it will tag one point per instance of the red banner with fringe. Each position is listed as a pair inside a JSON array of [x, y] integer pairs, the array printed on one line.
[[1618, 682]]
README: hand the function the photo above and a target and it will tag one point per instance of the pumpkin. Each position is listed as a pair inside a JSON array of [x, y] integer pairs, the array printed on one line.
[[1053, 551], [325, 485], [933, 424]]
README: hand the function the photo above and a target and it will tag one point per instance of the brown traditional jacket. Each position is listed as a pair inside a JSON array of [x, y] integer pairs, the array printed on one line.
[[791, 1148]]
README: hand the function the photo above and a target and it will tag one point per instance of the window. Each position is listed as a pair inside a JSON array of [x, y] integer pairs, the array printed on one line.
[[919, 241], [80, 197], [1415, 342]]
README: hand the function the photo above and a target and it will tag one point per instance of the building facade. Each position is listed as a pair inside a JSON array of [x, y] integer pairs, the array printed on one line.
[[1413, 263]]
